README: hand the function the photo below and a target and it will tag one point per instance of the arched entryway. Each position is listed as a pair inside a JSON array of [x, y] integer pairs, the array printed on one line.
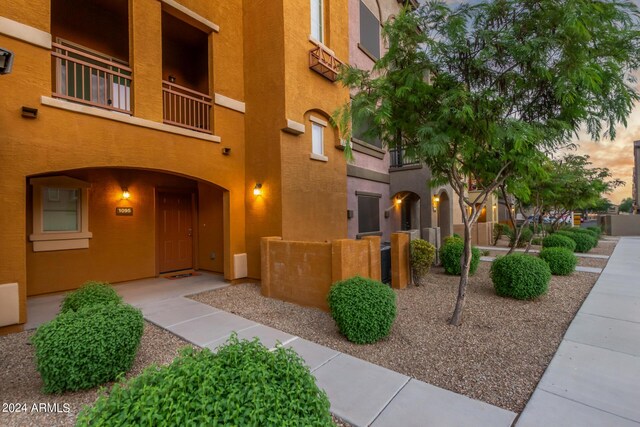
[[444, 214], [407, 211], [120, 224]]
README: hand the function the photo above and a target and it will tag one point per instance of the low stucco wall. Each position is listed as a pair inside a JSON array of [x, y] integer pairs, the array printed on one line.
[[481, 233], [303, 272], [621, 225]]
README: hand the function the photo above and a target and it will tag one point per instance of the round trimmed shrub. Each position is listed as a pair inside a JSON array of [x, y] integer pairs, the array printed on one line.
[[242, 384], [561, 260], [422, 255], [584, 242], [556, 240], [88, 347], [364, 309], [596, 230], [451, 256], [91, 293], [586, 232], [520, 276]]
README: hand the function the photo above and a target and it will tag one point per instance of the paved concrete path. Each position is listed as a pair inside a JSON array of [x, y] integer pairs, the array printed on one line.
[[594, 377], [578, 267], [360, 392], [535, 251]]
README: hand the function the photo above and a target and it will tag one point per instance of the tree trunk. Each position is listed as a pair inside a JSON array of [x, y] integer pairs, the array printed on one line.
[[465, 264]]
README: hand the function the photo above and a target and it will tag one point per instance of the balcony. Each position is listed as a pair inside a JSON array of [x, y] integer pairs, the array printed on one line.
[[186, 108], [324, 62], [399, 158], [91, 78]]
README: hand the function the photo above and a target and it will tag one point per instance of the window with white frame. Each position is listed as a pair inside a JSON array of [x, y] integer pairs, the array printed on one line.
[[317, 139], [317, 20], [369, 31], [60, 214]]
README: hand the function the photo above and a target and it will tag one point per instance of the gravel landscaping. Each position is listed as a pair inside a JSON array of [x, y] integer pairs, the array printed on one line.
[[21, 383], [498, 355], [582, 261]]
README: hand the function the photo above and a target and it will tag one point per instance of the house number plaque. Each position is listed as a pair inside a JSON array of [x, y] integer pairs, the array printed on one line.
[[128, 211]]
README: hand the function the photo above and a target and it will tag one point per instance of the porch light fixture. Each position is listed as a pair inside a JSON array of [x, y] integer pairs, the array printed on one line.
[[257, 190], [436, 200], [125, 193], [398, 200]]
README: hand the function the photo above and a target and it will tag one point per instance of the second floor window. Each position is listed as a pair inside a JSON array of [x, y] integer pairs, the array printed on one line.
[[317, 20], [369, 31]]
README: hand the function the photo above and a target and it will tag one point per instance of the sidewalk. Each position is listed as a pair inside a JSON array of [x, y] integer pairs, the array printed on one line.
[[594, 377], [360, 392]]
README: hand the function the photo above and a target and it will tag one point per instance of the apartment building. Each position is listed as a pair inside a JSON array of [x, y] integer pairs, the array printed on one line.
[[143, 137], [387, 191]]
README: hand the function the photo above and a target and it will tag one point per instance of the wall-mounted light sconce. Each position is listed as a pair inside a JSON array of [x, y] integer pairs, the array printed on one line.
[[226, 151], [29, 112], [398, 200], [172, 79], [495, 206], [257, 190], [436, 200], [125, 193]]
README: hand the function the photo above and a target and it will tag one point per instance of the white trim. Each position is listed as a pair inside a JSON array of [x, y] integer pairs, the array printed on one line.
[[294, 127], [232, 104], [192, 14], [319, 157], [25, 33], [319, 121], [9, 304], [60, 245], [319, 43], [125, 118]]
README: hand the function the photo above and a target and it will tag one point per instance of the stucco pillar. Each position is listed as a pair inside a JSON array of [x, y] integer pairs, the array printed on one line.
[[399, 260]]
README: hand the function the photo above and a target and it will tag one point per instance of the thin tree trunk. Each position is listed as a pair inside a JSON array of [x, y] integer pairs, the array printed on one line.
[[465, 264]]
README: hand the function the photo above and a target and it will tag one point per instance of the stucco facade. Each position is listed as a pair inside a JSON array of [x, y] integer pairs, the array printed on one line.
[[258, 94]]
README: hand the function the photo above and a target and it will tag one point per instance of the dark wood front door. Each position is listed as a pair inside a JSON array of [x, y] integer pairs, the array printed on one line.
[[175, 231]]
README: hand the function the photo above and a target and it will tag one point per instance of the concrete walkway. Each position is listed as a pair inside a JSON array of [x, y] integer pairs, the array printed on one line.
[[360, 392], [594, 377], [535, 251]]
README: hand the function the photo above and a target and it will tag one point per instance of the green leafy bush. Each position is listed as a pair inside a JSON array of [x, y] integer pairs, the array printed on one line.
[[596, 230], [243, 384], [561, 260], [536, 241], [586, 232], [91, 293], [520, 276], [364, 309], [84, 348], [500, 230], [556, 240], [451, 256], [422, 255], [584, 242], [525, 236]]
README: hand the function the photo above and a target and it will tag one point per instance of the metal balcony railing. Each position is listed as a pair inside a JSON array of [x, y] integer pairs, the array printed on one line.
[[399, 158], [87, 78], [324, 62], [186, 108]]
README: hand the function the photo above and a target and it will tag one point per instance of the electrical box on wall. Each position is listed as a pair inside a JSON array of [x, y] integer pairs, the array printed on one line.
[[6, 61]]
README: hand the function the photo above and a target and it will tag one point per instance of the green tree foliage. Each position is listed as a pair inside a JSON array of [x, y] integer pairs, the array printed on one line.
[[243, 384], [625, 205], [484, 91], [364, 309]]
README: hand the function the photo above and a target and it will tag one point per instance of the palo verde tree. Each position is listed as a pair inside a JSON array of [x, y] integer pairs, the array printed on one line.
[[479, 91]]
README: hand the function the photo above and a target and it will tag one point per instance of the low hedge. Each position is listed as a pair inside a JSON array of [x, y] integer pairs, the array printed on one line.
[[91, 293], [364, 309], [88, 347], [556, 240], [584, 242], [451, 256], [243, 384], [520, 276], [596, 230], [561, 260], [422, 255]]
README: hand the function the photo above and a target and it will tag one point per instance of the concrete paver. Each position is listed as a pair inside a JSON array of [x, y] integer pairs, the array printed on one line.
[[315, 355], [535, 251], [172, 311], [269, 337], [207, 329], [621, 307], [597, 377], [547, 409], [358, 390], [420, 404], [604, 332]]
